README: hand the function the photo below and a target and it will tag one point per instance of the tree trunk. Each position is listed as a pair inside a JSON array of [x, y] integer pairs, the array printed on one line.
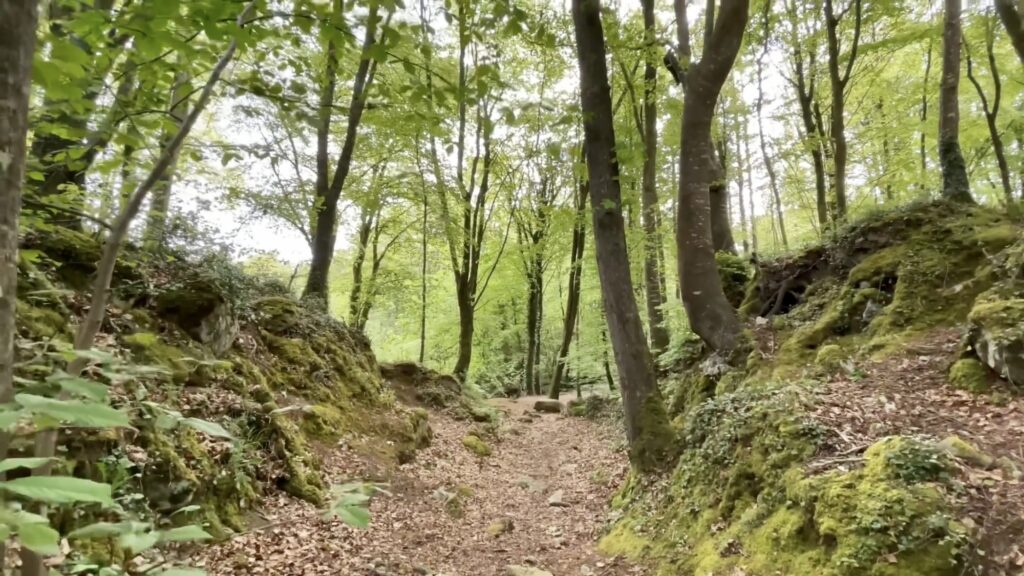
[[710, 314], [922, 150], [327, 195], [466, 328], [805, 83], [423, 279], [741, 169], [769, 165], [647, 426], [955, 185], [160, 203], [367, 218], [839, 80], [17, 44], [532, 315], [750, 188], [991, 109], [1014, 23], [572, 305], [653, 273]]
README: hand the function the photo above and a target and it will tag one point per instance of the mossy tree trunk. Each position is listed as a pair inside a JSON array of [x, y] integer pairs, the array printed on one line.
[[647, 426], [955, 185], [709, 312]]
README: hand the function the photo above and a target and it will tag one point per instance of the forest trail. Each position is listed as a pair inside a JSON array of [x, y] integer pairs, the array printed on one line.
[[445, 505]]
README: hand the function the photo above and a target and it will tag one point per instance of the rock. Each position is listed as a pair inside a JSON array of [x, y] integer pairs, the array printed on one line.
[[997, 335], [515, 570], [201, 310], [549, 406], [969, 374], [499, 527], [532, 485], [557, 499], [963, 450]]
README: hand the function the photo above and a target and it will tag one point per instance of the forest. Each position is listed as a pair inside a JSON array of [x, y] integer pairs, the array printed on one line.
[[511, 287]]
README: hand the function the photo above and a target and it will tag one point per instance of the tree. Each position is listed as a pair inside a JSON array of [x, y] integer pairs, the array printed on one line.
[[769, 165], [709, 312], [17, 44], [1014, 23], [839, 80], [651, 213], [647, 427], [954, 170], [156, 222], [329, 186], [991, 108]]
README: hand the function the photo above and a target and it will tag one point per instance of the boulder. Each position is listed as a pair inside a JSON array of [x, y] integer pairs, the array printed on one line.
[[550, 406], [997, 335], [201, 310]]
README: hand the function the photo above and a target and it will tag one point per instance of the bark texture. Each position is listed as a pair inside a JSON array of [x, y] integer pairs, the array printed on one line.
[[955, 185], [710, 314], [1013, 20], [839, 78], [647, 426]]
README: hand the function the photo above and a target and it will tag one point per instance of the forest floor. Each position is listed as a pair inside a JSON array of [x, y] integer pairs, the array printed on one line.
[[908, 394], [547, 486]]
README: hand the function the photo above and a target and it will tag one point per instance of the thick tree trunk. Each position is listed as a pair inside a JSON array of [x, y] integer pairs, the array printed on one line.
[[532, 321], [325, 221], [647, 426], [955, 185], [367, 218], [17, 44], [466, 328], [710, 314], [1014, 23], [653, 273], [572, 305]]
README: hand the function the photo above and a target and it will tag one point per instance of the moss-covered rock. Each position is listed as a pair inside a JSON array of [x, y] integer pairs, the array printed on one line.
[[476, 445], [734, 272], [997, 334], [150, 348], [959, 448], [970, 374], [830, 357]]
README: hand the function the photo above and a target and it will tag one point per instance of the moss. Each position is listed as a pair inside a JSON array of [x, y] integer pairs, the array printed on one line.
[[969, 453], [623, 541], [734, 273], [1002, 320], [476, 445], [830, 357], [653, 447], [278, 315], [971, 375], [148, 347], [40, 323]]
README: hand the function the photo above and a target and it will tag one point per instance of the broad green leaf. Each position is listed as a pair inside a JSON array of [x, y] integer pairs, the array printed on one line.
[[59, 489], [138, 542], [80, 386], [100, 530], [40, 538], [207, 427], [74, 412], [189, 533], [8, 418], [354, 516], [12, 463]]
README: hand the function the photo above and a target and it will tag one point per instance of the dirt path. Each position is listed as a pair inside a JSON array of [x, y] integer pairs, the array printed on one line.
[[442, 505]]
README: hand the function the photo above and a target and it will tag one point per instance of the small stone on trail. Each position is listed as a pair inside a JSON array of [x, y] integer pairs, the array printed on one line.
[[557, 499], [550, 406], [514, 570], [963, 450], [500, 527]]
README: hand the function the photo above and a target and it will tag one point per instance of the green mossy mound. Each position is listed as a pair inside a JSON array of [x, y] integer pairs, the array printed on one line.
[[222, 347], [420, 386], [748, 497]]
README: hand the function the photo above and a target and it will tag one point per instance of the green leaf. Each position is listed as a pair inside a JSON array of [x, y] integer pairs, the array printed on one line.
[[354, 516], [207, 427], [8, 418], [189, 533], [40, 538], [75, 412], [78, 386], [100, 530], [12, 463], [137, 542], [59, 489]]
